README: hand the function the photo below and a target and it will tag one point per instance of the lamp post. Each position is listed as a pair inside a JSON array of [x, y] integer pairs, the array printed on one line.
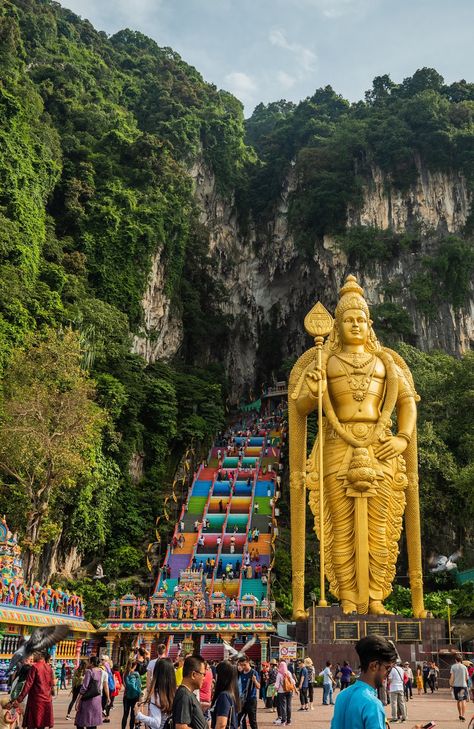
[[314, 598], [449, 602]]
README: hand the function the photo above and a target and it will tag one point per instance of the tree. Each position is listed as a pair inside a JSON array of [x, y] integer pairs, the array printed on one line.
[[49, 427]]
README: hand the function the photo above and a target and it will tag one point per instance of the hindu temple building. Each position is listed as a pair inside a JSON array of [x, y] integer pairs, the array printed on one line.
[[23, 607]]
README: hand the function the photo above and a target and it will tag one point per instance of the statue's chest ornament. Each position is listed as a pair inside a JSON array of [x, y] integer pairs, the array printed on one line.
[[359, 371]]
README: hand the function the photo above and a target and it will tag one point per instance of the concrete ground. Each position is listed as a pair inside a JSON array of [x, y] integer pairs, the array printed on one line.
[[438, 707]]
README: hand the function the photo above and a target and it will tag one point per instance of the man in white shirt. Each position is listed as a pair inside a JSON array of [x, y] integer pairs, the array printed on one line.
[[161, 653], [458, 680], [397, 698]]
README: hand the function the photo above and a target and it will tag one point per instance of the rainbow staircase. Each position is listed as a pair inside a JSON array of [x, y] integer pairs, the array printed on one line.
[[217, 572]]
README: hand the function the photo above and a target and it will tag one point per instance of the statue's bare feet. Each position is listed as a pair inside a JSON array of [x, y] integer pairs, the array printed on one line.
[[376, 608], [348, 607], [300, 614]]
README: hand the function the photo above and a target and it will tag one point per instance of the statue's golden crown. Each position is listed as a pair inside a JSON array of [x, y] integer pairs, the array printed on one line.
[[351, 296]]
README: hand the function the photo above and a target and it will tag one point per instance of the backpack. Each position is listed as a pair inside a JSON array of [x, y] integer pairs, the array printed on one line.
[[111, 681], [287, 683], [133, 686]]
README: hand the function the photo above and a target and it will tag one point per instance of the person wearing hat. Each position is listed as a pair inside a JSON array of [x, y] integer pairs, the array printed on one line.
[[408, 681], [271, 700]]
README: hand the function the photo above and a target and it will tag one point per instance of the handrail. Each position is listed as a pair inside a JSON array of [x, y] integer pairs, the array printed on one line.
[[249, 521], [176, 526], [203, 516], [219, 551]]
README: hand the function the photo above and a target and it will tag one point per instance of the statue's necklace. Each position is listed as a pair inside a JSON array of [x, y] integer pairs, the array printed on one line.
[[359, 380], [356, 359]]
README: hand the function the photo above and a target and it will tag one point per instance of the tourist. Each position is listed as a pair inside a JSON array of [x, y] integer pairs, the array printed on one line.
[[187, 713], [311, 675], [285, 685], [419, 679], [248, 686], [458, 681], [205, 692], [39, 687], [160, 695], [426, 673], [62, 676], [133, 689], [346, 674], [396, 693], [118, 687], [178, 669], [77, 680], [407, 681], [271, 701], [89, 702], [358, 707], [160, 653], [303, 685], [328, 683], [109, 677], [225, 701]]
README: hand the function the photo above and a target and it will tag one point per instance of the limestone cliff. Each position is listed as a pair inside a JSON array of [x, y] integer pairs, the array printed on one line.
[[270, 285]]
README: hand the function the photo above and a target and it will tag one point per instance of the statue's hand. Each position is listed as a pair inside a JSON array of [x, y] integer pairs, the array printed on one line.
[[313, 379], [390, 448]]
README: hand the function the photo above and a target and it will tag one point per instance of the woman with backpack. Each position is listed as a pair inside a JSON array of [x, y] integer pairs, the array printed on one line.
[[133, 690], [285, 685], [89, 702], [225, 701], [160, 696]]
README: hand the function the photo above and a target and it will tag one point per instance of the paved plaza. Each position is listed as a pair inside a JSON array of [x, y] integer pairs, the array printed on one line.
[[439, 707]]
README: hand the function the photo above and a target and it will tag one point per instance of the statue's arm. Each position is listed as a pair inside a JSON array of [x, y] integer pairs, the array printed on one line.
[[307, 390], [406, 416], [406, 408]]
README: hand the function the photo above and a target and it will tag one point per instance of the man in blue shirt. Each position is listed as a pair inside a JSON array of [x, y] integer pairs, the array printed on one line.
[[248, 685], [358, 706], [303, 684]]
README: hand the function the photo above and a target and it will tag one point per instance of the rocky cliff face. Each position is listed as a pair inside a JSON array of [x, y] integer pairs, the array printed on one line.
[[271, 286]]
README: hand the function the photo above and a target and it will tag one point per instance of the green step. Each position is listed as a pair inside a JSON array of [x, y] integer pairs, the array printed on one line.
[[263, 505], [254, 587], [197, 504]]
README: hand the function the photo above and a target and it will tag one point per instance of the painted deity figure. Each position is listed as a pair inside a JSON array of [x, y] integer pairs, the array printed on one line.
[[369, 470]]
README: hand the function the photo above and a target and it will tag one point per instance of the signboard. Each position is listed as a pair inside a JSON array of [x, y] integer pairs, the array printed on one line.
[[382, 629], [408, 632], [346, 630], [287, 651]]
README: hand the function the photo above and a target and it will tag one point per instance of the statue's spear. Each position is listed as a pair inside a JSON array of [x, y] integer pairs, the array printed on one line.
[[318, 323]]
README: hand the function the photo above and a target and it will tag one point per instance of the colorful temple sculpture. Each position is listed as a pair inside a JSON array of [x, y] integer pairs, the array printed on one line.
[[23, 608], [215, 580]]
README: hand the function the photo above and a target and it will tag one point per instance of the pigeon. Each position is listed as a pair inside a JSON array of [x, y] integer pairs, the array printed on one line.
[[234, 654], [99, 573], [441, 563], [39, 640]]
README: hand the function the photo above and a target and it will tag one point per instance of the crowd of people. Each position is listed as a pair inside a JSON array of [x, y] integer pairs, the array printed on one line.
[[195, 694]]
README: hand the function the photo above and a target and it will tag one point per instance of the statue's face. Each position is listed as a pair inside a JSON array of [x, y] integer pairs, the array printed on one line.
[[354, 327]]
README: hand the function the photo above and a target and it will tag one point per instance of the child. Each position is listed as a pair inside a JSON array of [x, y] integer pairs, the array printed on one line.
[[9, 716]]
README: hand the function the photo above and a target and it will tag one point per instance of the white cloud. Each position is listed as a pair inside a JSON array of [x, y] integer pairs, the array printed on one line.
[[241, 85], [333, 9], [285, 80], [305, 57]]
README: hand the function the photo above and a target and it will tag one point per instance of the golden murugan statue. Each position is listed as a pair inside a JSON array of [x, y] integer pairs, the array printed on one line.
[[369, 473]]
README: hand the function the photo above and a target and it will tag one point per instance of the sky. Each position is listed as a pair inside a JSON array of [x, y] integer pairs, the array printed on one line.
[[266, 50]]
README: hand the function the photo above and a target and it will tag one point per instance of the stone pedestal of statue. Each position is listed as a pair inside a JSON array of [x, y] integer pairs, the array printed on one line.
[[332, 635]]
